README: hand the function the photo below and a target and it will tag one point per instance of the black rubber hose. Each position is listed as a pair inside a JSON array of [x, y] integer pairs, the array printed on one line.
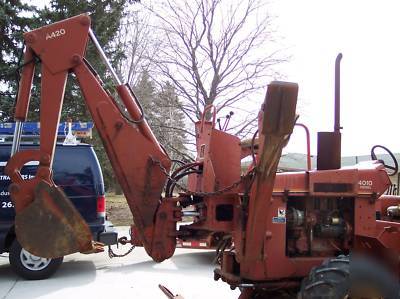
[[178, 177], [176, 172]]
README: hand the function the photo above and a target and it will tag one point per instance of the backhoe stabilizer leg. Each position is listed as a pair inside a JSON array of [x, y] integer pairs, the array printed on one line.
[[278, 120]]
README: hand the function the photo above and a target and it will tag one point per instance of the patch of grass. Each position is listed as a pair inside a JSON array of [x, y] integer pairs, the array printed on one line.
[[117, 209]]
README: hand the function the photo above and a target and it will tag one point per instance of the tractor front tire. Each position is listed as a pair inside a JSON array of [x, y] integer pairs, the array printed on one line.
[[347, 277]]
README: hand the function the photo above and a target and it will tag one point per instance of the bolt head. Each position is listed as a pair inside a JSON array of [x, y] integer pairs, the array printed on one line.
[[118, 124], [45, 160], [76, 59]]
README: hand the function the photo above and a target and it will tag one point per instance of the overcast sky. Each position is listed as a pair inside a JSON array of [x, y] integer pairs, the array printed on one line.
[[367, 33]]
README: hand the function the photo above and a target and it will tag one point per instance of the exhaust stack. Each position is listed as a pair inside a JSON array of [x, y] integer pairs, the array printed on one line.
[[329, 143]]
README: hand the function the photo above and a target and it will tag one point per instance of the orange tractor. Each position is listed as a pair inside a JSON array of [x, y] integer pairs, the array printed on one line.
[[307, 231]]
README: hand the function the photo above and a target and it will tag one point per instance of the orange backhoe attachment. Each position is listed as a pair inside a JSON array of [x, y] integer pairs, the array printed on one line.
[[48, 225], [41, 206]]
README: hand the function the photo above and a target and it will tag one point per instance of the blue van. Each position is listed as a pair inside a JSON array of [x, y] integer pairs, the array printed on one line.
[[77, 171]]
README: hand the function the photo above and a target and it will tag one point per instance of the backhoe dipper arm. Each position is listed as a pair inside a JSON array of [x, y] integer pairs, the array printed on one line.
[[137, 158]]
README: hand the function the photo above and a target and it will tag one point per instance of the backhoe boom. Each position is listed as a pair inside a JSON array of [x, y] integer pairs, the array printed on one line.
[[61, 47]]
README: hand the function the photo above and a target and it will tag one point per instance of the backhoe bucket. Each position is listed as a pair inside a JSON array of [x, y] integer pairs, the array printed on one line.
[[51, 227]]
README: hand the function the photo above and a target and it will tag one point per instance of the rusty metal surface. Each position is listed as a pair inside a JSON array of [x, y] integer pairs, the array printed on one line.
[[275, 127], [61, 47], [308, 144], [136, 167], [329, 150], [220, 154], [50, 226]]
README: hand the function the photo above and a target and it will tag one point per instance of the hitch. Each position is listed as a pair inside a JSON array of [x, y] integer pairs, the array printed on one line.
[[123, 241]]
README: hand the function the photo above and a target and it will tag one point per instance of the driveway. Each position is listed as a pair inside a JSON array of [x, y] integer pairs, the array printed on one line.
[[188, 272]]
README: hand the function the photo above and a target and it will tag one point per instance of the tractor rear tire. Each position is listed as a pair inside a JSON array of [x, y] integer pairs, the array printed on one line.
[[348, 277]]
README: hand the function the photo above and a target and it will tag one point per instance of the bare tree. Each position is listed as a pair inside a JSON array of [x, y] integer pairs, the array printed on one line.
[[216, 52], [137, 43]]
